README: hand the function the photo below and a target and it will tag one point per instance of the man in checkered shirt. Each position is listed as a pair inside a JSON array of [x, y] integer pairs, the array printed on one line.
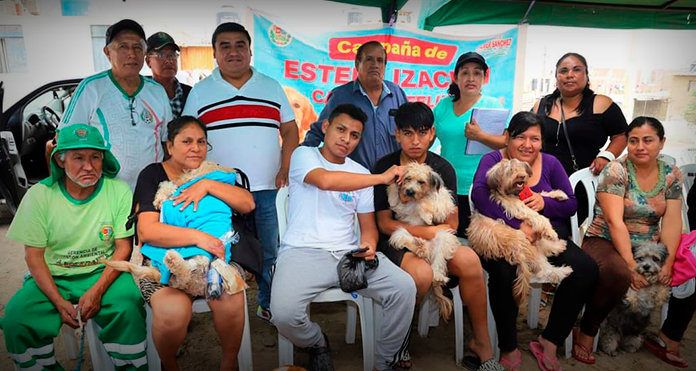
[[162, 58]]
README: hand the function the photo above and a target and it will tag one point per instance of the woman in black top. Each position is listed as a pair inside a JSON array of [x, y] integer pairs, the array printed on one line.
[[171, 308], [590, 119]]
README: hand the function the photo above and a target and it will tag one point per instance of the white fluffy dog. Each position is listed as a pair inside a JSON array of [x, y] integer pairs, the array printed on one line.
[[496, 240], [422, 199]]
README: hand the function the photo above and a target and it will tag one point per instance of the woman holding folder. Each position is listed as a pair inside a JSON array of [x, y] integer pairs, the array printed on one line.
[[454, 126]]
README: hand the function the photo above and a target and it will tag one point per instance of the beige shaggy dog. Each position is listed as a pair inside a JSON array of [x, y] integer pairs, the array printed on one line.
[[496, 240], [188, 275], [422, 199]]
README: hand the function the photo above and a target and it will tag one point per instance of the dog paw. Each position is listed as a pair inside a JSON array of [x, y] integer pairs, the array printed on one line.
[[439, 278], [557, 274]]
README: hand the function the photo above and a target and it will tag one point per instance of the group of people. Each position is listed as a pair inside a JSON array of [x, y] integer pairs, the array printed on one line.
[[123, 134]]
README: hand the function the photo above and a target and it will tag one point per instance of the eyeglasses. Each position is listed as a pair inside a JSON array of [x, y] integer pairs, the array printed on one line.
[[131, 107], [168, 57]]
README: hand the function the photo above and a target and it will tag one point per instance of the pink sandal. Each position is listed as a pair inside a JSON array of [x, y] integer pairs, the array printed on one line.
[[512, 366], [538, 352]]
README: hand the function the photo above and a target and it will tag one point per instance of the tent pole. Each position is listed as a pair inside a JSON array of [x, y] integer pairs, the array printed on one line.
[[529, 9]]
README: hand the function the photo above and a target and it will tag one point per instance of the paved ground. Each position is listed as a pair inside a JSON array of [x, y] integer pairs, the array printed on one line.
[[201, 351]]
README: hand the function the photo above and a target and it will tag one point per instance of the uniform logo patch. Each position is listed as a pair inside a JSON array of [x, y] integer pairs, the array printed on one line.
[[81, 133], [346, 197], [106, 232], [146, 116]]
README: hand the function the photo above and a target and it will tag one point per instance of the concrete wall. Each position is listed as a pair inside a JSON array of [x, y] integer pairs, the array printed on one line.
[[679, 96]]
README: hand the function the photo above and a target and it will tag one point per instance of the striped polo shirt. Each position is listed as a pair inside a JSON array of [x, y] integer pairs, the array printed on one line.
[[243, 124]]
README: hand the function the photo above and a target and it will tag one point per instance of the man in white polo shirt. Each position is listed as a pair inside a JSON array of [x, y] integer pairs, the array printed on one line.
[[130, 110], [244, 110]]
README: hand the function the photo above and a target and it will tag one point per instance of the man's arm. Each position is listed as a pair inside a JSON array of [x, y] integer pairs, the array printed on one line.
[[90, 301], [291, 138], [368, 235], [36, 263], [387, 225], [342, 181]]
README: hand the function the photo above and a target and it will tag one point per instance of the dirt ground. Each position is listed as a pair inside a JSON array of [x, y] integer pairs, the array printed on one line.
[[201, 351]]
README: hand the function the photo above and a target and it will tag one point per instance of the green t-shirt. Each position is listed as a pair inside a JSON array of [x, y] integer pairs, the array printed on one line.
[[75, 234], [449, 128]]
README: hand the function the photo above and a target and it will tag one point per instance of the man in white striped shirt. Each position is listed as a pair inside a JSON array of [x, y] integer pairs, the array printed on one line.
[[244, 111]]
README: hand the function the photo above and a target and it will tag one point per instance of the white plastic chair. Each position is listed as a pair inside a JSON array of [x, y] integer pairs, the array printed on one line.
[[244, 358], [689, 173], [429, 316], [356, 304], [667, 159]]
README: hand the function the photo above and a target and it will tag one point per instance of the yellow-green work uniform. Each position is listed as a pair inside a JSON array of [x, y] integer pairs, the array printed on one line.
[[75, 234]]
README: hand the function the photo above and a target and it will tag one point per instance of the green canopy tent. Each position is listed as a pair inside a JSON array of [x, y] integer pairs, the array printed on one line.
[[619, 14]]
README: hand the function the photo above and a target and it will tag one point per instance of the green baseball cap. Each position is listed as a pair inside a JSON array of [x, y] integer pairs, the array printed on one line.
[[81, 136]]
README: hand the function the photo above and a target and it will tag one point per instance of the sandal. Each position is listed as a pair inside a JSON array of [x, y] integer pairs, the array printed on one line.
[[405, 362], [492, 365], [510, 365], [538, 352], [588, 359], [661, 352]]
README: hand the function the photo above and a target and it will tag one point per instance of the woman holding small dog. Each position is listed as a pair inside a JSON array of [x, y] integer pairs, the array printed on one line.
[[638, 201], [525, 136], [171, 308]]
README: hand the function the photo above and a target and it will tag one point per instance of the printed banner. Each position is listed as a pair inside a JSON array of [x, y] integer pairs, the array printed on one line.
[[310, 65]]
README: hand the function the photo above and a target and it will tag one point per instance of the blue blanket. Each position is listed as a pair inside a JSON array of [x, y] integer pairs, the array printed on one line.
[[213, 217]]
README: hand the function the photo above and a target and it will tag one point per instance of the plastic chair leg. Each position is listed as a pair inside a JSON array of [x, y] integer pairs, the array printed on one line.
[[100, 358], [367, 319], [424, 316], [351, 321], [534, 302], [285, 349], [72, 347], [458, 326]]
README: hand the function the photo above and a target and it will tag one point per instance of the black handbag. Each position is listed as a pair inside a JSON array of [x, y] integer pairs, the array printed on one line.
[[247, 252]]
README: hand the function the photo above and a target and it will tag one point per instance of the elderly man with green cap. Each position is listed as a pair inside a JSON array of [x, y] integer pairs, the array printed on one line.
[[69, 224]]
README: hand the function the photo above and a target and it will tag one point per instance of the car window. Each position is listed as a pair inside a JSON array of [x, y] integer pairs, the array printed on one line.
[[57, 99]]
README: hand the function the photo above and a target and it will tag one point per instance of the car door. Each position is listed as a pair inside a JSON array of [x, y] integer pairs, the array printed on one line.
[[24, 130]]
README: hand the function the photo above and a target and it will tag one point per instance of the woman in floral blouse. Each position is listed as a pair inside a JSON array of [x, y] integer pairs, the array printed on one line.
[[634, 194]]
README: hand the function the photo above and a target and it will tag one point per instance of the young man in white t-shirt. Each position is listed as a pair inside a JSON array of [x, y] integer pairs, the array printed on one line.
[[326, 190]]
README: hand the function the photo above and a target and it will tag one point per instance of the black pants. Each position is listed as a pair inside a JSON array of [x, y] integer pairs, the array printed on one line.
[[464, 215], [570, 297], [679, 315]]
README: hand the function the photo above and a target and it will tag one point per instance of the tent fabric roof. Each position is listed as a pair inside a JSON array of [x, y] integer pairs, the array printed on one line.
[[618, 14]]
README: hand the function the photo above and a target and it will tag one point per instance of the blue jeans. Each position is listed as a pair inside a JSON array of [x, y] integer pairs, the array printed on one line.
[[267, 228]]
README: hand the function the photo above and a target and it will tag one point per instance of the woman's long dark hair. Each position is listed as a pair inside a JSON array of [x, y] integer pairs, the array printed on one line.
[[587, 93]]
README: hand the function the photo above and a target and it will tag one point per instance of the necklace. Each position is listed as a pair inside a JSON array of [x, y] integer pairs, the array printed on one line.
[[659, 186]]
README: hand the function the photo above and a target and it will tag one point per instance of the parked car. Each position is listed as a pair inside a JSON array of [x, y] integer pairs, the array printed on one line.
[[25, 128]]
